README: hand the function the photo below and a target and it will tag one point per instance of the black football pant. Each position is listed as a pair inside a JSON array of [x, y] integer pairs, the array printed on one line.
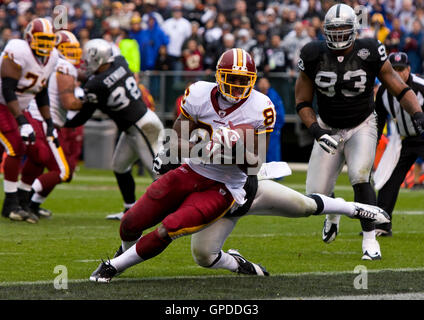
[[412, 148]]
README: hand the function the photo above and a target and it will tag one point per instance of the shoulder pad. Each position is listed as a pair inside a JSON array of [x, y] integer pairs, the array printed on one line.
[[312, 50]]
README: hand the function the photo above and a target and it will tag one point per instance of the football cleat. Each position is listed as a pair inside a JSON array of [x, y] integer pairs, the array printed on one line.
[[117, 216], [247, 267], [32, 217], [370, 213], [383, 230], [44, 213], [371, 250], [330, 230], [118, 252], [19, 214], [104, 272]]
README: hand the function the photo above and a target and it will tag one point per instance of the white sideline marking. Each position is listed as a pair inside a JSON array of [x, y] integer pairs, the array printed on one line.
[[388, 296], [289, 274]]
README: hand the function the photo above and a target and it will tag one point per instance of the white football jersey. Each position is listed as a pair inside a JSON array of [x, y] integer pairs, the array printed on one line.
[[58, 113], [34, 73], [203, 105]]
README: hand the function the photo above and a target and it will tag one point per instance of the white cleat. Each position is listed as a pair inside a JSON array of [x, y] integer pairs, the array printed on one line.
[[330, 229], [371, 250], [115, 216], [370, 213]]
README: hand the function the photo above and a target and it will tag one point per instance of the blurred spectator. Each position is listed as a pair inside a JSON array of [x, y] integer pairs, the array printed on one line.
[[212, 37], [258, 51], [274, 153], [411, 44], [193, 56], [379, 27], [228, 42], [130, 50], [163, 61], [163, 9], [392, 41], [115, 49], [149, 41], [244, 40], [314, 10], [178, 30], [294, 41], [406, 16], [276, 56], [77, 21], [195, 35]]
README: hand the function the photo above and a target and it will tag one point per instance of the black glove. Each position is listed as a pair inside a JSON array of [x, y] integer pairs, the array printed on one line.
[[418, 119], [323, 137], [26, 130], [51, 133], [163, 162]]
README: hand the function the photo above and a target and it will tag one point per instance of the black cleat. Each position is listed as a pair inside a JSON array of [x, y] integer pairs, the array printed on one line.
[[118, 252], [247, 267], [104, 272]]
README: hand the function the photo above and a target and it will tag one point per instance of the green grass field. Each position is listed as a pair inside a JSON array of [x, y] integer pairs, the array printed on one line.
[[300, 264]]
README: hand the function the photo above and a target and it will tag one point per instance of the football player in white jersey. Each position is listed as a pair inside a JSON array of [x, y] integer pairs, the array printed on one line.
[[50, 154], [196, 194], [26, 66]]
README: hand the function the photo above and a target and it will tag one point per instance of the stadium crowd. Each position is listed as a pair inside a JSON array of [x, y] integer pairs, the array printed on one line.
[[191, 34]]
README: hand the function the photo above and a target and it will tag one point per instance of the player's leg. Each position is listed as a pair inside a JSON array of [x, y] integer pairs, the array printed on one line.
[[15, 149], [196, 212], [388, 194], [123, 159], [323, 170], [360, 152], [206, 249], [147, 139], [276, 199], [53, 157]]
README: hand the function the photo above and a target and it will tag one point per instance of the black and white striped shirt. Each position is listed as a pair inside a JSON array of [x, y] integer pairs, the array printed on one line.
[[386, 104]]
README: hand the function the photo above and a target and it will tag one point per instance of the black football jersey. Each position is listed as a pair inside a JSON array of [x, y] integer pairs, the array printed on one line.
[[116, 93], [344, 85]]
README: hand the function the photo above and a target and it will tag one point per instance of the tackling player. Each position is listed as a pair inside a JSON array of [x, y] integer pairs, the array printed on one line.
[[341, 71], [35, 186], [113, 89], [26, 65]]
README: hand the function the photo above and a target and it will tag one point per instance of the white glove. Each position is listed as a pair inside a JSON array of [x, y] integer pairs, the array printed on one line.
[[27, 133], [328, 143]]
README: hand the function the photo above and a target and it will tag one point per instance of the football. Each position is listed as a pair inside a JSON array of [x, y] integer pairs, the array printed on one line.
[[243, 130]]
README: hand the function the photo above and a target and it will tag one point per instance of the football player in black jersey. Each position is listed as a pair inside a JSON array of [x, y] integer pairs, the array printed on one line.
[[112, 88], [341, 72]]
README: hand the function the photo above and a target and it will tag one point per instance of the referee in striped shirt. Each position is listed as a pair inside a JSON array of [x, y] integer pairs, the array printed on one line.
[[412, 142]]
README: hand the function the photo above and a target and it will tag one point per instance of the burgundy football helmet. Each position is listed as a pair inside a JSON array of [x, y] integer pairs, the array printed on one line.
[[235, 74]]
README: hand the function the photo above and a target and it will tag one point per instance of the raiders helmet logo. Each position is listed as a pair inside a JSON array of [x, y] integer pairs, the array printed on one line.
[[301, 65], [363, 53]]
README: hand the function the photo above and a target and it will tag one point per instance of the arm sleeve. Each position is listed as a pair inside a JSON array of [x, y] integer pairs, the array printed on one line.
[[82, 116], [42, 98]]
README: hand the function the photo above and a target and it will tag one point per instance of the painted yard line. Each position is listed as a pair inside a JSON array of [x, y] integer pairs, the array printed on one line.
[[107, 179], [397, 296], [289, 274]]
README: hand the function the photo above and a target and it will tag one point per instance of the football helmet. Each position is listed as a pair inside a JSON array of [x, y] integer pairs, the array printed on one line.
[[235, 74], [96, 52], [340, 26], [69, 46], [40, 36]]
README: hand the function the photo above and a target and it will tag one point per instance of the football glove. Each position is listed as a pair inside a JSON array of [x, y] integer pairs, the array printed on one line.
[[418, 119], [25, 130], [162, 162], [51, 133], [323, 137]]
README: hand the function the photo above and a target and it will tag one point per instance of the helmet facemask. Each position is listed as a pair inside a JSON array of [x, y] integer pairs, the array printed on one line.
[[43, 43], [235, 85], [339, 37], [71, 51]]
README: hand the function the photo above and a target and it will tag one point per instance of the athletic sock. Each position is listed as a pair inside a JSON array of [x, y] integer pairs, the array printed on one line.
[[225, 261], [126, 260]]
